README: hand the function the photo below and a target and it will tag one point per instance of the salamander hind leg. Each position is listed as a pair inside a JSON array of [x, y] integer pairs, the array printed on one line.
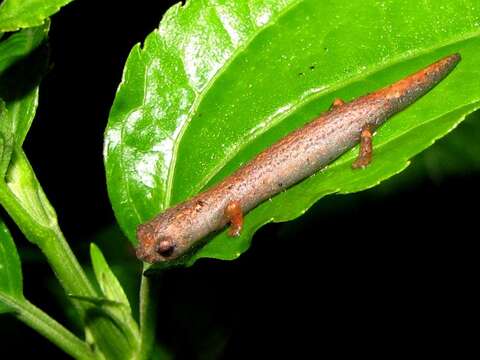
[[365, 154], [234, 214]]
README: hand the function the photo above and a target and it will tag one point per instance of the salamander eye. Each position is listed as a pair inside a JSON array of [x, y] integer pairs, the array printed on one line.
[[165, 248]]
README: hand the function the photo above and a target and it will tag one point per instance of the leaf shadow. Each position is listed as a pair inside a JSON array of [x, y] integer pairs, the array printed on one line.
[[23, 76]]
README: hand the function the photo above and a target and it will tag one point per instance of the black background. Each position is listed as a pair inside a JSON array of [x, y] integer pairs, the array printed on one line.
[[375, 273]]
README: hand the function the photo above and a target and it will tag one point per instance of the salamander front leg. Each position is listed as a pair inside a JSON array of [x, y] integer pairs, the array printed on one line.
[[336, 103], [234, 214], [365, 155]]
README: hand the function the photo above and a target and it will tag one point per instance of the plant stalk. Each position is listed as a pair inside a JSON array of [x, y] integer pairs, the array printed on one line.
[[148, 312], [48, 327], [52, 243]]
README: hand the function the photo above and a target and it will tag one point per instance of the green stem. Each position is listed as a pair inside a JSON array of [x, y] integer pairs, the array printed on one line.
[[148, 312], [48, 327], [52, 243], [66, 267]]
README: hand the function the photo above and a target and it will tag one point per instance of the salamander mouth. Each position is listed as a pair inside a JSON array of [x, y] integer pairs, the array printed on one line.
[[147, 256]]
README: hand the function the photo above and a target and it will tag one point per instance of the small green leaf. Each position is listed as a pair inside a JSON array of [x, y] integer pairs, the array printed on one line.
[[107, 280], [17, 14], [22, 64], [218, 83], [113, 292], [10, 268], [121, 342], [105, 313], [21, 68]]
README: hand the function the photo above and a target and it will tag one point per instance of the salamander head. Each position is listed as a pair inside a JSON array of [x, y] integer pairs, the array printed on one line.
[[154, 247]]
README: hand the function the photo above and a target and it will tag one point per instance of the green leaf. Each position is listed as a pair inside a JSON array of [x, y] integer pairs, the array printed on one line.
[[108, 310], [161, 84], [22, 64], [216, 84], [113, 292], [17, 14], [19, 77], [457, 153], [453, 155], [110, 286], [21, 67], [22, 192], [10, 268]]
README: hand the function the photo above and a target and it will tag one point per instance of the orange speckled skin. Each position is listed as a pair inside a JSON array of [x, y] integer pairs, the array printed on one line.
[[293, 158]]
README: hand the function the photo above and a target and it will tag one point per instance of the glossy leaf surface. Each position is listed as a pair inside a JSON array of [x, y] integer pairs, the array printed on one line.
[[216, 84]]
